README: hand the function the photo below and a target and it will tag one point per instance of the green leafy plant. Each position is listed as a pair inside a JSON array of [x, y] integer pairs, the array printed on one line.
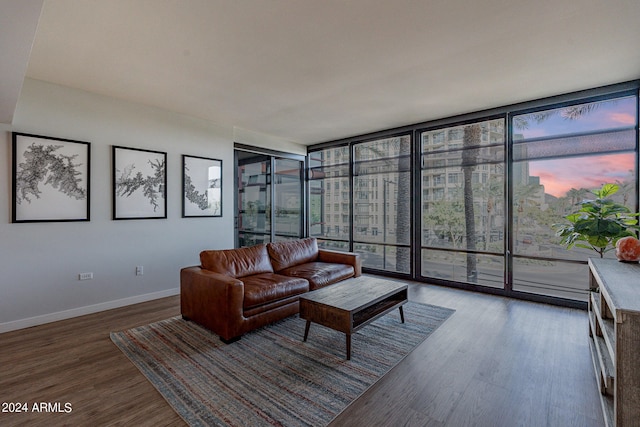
[[599, 223]]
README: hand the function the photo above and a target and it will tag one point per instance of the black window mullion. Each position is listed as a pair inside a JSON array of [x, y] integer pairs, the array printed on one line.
[[508, 191]]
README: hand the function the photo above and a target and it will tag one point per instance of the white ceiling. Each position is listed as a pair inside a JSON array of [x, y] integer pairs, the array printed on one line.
[[315, 70]]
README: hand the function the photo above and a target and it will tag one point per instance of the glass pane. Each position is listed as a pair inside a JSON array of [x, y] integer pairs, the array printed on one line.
[[467, 157], [383, 257], [385, 165], [283, 238], [333, 245], [381, 208], [329, 157], [452, 138], [250, 239], [444, 209], [382, 202], [553, 278], [332, 162], [387, 148], [609, 141], [560, 156], [615, 114], [288, 198], [462, 187], [547, 190], [480, 269], [329, 208], [329, 194], [316, 192], [254, 199]]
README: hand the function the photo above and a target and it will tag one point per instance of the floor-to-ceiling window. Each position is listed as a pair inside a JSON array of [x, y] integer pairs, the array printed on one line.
[[253, 213], [269, 197], [559, 156], [360, 199], [288, 199], [462, 212], [485, 192], [330, 197], [382, 203]]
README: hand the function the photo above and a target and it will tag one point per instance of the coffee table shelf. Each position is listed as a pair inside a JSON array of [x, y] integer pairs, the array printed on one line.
[[369, 314]]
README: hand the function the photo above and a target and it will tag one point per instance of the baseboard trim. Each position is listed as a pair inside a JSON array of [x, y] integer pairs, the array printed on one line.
[[81, 311]]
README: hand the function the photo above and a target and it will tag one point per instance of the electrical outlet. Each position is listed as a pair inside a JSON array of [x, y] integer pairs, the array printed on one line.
[[139, 270], [85, 276]]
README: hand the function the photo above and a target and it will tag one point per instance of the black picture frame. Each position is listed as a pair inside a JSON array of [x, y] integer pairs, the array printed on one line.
[[139, 183], [51, 179], [201, 187]]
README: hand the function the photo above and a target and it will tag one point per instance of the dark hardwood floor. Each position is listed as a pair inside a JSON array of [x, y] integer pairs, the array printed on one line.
[[495, 362]]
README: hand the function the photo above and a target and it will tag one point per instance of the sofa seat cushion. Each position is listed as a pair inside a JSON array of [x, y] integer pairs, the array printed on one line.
[[271, 307], [292, 252], [320, 274], [264, 288]]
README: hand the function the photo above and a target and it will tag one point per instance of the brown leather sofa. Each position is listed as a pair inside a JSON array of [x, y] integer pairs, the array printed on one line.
[[234, 291]]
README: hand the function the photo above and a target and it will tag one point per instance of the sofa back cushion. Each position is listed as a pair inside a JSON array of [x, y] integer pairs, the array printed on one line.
[[237, 263], [292, 252]]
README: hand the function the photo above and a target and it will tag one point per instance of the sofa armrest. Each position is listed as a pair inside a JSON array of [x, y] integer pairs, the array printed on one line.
[[339, 257], [212, 300]]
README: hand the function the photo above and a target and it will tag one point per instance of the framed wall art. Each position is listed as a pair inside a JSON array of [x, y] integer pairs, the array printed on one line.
[[201, 187], [50, 179], [139, 183]]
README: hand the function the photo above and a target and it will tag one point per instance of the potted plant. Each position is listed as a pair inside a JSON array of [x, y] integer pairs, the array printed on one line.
[[599, 223]]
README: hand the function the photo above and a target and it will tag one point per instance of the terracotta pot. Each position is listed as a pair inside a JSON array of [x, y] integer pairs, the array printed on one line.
[[628, 249]]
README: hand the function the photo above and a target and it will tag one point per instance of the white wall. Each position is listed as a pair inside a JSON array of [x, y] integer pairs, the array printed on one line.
[[40, 262]]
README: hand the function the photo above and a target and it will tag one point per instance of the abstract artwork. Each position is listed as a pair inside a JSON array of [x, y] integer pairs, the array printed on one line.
[[50, 179], [201, 187], [139, 183]]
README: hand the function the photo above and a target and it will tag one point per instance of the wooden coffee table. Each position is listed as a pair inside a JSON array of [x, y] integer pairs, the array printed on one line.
[[350, 305]]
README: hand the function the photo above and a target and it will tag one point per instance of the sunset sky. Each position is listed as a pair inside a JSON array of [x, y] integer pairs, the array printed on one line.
[[560, 175]]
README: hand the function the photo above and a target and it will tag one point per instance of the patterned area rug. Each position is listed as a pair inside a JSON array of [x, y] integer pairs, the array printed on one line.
[[271, 377]]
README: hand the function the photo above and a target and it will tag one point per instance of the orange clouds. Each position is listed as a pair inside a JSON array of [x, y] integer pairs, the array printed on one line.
[[622, 118], [560, 175]]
